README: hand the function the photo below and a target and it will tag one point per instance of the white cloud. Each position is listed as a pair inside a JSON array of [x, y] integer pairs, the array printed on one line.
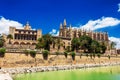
[[54, 32], [116, 40], [101, 23], [6, 23], [119, 7]]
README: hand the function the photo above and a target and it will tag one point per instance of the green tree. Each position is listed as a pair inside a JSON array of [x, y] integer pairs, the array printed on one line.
[[112, 45], [33, 54], [41, 44], [2, 41], [9, 36], [44, 42], [2, 52], [58, 42], [45, 54], [75, 44], [65, 54], [103, 48], [95, 46], [85, 42], [72, 55]]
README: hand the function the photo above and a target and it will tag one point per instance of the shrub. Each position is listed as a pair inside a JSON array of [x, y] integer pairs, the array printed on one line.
[[57, 53], [98, 55], [65, 53], [80, 56], [87, 55], [26, 52], [72, 55], [91, 56], [45, 54], [33, 54], [94, 55], [2, 52], [109, 57]]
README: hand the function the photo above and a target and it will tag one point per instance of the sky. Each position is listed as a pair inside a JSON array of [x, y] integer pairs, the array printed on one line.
[[97, 15]]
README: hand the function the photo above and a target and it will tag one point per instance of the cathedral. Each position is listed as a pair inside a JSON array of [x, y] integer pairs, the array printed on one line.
[[69, 32]]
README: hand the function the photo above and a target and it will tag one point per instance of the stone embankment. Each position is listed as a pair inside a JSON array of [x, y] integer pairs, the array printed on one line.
[[52, 68]]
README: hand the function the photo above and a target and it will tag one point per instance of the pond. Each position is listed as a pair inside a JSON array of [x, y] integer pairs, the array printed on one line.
[[99, 73]]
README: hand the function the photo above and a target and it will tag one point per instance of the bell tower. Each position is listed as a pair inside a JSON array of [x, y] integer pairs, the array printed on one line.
[[27, 26]]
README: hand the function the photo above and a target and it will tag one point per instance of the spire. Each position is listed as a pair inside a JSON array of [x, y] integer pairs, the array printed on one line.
[[61, 26], [64, 22], [27, 24], [70, 27]]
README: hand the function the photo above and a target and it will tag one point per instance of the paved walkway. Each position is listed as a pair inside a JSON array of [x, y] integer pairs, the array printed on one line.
[[5, 76]]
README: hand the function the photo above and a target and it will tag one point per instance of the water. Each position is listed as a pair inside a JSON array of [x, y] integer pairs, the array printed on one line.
[[102, 73]]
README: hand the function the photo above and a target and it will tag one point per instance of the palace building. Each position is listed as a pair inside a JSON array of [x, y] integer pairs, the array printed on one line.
[[23, 38]]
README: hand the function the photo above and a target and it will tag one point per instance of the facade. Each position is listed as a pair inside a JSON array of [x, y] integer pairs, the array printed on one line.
[[67, 33], [23, 38], [27, 38]]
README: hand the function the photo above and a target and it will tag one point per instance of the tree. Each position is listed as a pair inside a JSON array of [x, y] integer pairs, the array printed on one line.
[[99, 55], [112, 45], [72, 55], [95, 46], [58, 42], [75, 44], [40, 44], [45, 54], [9, 37], [33, 54], [65, 54], [85, 42], [103, 48], [44, 42], [2, 41], [2, 52], [48, 41]]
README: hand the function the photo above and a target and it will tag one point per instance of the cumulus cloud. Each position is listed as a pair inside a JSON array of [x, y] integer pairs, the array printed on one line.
[[6, 23], [116, 40], [119, 7], [100, 23], [54, 32]]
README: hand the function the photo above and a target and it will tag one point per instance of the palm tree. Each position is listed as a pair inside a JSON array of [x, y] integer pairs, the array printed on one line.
[[9, 37]]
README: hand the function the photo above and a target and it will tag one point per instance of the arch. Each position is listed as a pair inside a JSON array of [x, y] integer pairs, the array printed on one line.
[[16, 43], [22, 43], [28, 43], [33, 43]]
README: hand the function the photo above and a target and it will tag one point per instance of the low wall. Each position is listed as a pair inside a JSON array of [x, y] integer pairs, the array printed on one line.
[[52, 68]]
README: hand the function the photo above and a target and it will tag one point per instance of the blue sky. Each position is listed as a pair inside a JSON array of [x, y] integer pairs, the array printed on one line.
[[48, 14]]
